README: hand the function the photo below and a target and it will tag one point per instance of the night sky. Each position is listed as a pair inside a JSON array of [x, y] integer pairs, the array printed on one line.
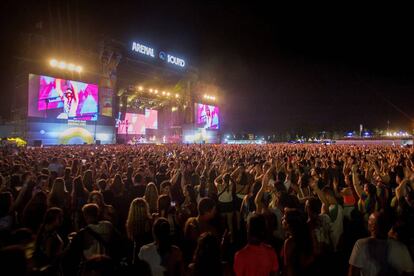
[[300, 68]]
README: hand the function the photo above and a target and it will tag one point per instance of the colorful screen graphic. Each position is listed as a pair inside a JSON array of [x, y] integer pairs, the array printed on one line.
[[207, 116], [65, 134], [56, 98], [133, 124], [151, 119]]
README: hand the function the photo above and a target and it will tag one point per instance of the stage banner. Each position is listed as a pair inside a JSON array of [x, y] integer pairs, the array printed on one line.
[[105, 101]]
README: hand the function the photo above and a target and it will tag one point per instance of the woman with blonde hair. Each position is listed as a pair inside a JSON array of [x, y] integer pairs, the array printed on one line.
[[139, 224], [151, 196]]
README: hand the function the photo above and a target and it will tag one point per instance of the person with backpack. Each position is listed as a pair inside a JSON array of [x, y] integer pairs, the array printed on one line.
[[97, 238]]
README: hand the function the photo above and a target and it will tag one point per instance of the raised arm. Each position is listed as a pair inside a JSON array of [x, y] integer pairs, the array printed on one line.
[[355, 181]]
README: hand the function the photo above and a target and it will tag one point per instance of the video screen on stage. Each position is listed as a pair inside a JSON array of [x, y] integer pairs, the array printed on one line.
[[207, 116], [133, 124], [55, 98], [151, 119]]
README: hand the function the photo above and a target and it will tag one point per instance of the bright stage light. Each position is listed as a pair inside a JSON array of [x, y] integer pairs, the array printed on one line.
[[163, 92], [156, 91], [173, 109], [168, 93], [177, 96], [65, 66], [53, 62], [71, 67], [150, 90], [140, 88], [62, 65]]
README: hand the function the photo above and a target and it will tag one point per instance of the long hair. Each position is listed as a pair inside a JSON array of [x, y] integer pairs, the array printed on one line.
[[58, 193], [161, 232], [207, 256], [139, 218], [51, 215], [151, 197], [88, 180], [78, 191]]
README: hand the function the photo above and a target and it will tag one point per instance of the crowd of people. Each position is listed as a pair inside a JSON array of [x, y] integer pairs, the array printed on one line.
[[207, 210]]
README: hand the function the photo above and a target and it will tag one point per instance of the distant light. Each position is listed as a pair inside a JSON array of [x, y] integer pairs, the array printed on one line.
[[62, 65], [150, 90], [177, 96], [174, 108], [156, 91], [53, 62], [120, 105], [168, 93], [140, 88], [163, 92], [71, 67]]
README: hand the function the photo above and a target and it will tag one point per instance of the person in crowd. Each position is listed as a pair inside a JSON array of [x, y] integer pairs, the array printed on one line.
[[163, 257], [207, 257], [34, 211], [49, 244], [7, 215], [378, 255], [98, 237], [257, 257], [151, 197], [225, 189], [195, 226], [59, 196], [298, 251], [139, 224], [79, 197], [106, 212]]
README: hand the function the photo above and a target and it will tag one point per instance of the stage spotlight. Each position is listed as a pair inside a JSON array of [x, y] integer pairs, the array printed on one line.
[[150, 90], [163, 92], [140, 88], [177, 96], [53, 62], [71, 67], [62, 65]]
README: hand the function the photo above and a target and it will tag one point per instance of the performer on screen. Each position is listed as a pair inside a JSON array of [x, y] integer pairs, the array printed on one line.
[[209, 118], [70, 98]]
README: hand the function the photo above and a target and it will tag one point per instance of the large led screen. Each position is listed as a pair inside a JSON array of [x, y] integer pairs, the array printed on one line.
[[207, 116], [66, 134], [133, 124], [151, 119], [55, 98]]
